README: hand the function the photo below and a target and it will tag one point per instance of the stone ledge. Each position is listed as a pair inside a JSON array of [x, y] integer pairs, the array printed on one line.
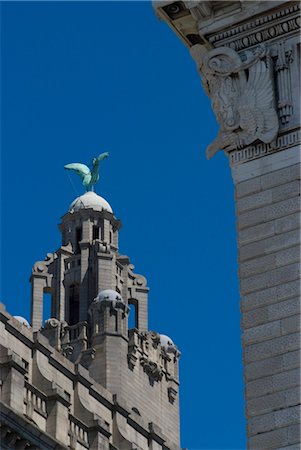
[[27, 430]]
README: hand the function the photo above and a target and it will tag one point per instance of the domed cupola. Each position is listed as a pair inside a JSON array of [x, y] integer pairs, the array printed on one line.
[[90, 200], [109, 295], [108, 314]]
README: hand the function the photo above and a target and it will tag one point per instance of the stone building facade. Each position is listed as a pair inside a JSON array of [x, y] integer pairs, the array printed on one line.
[[248, 57], [83, 379]]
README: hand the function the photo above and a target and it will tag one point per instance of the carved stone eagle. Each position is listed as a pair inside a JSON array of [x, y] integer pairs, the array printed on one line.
[[242, 96]]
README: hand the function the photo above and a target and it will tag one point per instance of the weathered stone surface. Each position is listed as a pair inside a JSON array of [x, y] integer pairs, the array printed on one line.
[[272, 347], [280, 177], [268, 181], [287, 223], [271, 278], [283, 380], [273, 365], [256, 233], [268, 196], [270, 402], [270, 295], [271, 421], [276, 438], [268, 213], [270, 245], [269, 262], [271, 312], [262, 332]]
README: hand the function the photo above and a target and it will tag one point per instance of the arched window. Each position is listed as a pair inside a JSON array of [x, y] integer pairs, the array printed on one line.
[[47, 306], [133, 314], [73, 304]]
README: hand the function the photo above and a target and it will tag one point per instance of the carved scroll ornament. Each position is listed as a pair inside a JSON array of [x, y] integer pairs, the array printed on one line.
[[42, 266], [242, 96]]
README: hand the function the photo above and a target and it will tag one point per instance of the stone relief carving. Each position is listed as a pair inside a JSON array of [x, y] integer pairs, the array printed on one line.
[[135, 279], [172, 394], [152, 369], [258, 150], [242, 95], [52, 323], [157, 361], [42, 266], [283, 60]]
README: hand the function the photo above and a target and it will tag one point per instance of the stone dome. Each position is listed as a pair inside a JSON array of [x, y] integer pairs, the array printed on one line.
[[22, 320], [109, 295], [90, 200], [166, 341]]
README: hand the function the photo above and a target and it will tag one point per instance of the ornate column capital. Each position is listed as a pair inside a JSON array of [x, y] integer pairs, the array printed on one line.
[[246, 56]]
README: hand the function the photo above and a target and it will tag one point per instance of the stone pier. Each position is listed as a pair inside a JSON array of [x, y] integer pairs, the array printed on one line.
[[248, 57]]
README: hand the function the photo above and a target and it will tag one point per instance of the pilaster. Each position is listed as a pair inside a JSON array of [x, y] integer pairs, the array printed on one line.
[[248, 57], [13, 370], [58, 403]]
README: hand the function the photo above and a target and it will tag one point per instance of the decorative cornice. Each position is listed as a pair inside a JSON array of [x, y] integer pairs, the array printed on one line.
[[265, 28], [255, 151]]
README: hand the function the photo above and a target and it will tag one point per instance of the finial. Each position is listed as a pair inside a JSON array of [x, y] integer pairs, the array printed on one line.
[[89, 177]]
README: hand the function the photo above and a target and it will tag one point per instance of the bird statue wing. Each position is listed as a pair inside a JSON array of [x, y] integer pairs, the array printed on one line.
[[81, 169], [101, 157], [95, 167], [258, 99]]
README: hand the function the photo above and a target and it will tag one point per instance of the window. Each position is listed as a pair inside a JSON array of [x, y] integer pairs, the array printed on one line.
[[133, 314], [79, 236], [73, 304], [46, 306], [95, 232]]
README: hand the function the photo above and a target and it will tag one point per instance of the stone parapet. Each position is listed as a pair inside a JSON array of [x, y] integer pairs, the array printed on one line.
[[50, 402]]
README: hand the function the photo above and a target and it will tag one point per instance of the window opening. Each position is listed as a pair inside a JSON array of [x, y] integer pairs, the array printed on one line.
[[46, 306], [79, 236], [73, 304], [95, 232], [133, 315]]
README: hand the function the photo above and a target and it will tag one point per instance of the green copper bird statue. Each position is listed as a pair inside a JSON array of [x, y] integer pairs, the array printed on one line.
[[89, 177]]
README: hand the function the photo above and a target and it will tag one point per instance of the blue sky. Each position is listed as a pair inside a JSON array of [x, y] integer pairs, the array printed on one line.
[[82, 78]]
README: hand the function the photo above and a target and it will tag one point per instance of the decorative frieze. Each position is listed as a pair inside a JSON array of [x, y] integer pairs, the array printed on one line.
[[257, 31], [258, 150], [157, 360]]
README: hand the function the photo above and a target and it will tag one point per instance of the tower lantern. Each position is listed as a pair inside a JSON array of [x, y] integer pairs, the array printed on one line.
[[93, 291]]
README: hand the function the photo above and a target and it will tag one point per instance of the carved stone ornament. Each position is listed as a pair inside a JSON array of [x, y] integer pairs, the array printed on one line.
[[51, 323], [152, 369], [283, 61], [172, 394], [135, 279], [42, 266], [155, 337], [241, 93]]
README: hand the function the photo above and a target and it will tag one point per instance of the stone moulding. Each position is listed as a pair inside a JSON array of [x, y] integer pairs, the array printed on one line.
[[255, 151], [256, 31]]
